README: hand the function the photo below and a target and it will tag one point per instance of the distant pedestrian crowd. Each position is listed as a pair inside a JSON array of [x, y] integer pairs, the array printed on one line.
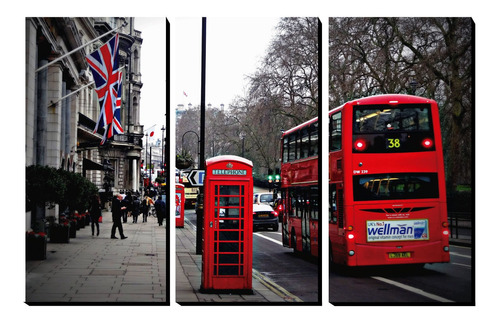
[[125, 206]]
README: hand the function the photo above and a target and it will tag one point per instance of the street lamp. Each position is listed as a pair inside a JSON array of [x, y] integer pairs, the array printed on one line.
[[413, 85], [182, 144]]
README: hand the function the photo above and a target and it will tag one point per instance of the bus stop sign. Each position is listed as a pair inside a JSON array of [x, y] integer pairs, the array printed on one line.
[[196, 177]]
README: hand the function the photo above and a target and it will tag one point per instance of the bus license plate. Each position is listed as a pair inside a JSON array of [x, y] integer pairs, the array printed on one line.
[[400, 255]]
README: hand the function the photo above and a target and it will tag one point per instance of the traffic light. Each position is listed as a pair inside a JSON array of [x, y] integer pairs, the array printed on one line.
[[277, 178], [270, 178]]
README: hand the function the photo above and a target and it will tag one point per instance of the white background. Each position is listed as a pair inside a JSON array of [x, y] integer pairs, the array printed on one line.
[[12, 178]]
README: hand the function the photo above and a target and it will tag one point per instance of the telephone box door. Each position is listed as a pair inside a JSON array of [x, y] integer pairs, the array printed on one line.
[[179, 205], [228, 226]]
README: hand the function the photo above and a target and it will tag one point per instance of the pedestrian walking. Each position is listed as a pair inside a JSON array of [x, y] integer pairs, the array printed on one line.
[[127, 202], [95, 213], [161, 209], [135, 209], [145, 208], [117, 208]]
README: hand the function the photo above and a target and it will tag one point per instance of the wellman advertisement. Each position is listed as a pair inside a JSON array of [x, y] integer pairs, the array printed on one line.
[[397, 230]]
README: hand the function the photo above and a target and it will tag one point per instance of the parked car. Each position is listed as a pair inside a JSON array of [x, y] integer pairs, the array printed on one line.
[[264, 217]]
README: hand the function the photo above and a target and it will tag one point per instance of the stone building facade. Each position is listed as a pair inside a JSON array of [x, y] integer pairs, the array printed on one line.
[[62, 106]]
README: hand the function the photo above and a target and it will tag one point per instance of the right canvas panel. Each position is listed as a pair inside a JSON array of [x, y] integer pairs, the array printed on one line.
[[401, 192]]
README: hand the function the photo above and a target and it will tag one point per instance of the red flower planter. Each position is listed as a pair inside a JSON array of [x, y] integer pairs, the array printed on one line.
[[36, 246]]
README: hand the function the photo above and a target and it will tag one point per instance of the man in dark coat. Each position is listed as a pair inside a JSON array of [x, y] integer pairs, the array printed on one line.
[[161, 209], [116, 210], [127, 202]]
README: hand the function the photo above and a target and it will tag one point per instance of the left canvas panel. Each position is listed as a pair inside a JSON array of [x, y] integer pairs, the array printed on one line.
[[95, 153]]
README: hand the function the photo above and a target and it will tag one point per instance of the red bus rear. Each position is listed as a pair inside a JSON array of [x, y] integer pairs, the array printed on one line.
[[387, 192], [299, 188]]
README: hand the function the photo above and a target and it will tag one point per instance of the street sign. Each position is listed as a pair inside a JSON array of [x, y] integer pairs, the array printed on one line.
[[196, 177]]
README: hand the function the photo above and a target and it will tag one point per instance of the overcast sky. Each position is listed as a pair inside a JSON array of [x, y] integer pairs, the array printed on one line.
[[153, 73], [235, 47]]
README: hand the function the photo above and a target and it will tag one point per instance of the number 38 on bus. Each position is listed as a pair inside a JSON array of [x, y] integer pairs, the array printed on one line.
[[387, 198]]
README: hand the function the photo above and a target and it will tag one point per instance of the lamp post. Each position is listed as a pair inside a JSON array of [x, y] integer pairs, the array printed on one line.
[[146, 160], [242, 135], [162, 139]]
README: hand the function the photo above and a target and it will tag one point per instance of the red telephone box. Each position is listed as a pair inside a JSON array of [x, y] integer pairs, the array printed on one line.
[[227, 226], [179, 205]]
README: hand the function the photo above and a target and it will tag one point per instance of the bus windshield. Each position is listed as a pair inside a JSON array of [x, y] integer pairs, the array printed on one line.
[[385, 119], [395, 186], [384, 129]]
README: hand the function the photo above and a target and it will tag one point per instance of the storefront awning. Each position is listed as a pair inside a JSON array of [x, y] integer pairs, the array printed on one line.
[[91, 165]]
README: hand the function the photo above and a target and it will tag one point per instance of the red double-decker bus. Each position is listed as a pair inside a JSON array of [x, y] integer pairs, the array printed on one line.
[[386, 182], [299, 187]]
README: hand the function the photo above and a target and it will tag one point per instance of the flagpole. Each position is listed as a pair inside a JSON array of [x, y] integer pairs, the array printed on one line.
[[70, 94], [82, 46], [76, 91]]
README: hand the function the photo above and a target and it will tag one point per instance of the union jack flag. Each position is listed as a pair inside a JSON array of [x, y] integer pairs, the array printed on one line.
[[108, 86]]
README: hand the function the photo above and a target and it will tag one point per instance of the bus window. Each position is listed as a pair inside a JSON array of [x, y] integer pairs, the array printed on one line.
[[333, 203], [385, 129], [313, 203], [304, 143], [395, 186], [384, 118], [285, 149], [292, 148], [335, 132], [314, 140], [340, 207]]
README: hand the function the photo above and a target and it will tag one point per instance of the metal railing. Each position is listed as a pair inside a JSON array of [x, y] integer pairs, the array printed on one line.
[[460, 224]]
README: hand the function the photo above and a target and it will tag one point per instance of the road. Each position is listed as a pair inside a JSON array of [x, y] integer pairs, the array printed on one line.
[[297, 275], [443, 283], [447, 283], [279, 265]]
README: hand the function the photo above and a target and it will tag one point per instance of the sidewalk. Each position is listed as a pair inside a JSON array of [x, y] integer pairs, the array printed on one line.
[[188, 278], [98, 269]]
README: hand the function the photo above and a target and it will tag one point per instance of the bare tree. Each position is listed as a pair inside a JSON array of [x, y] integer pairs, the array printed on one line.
[[430, 57], [288, 78], [283, 93]]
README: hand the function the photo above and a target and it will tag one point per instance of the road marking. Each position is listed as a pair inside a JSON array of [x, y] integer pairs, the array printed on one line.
[[461, 255], [268, 238], [412, 289], [278, 290], [467, 266]]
